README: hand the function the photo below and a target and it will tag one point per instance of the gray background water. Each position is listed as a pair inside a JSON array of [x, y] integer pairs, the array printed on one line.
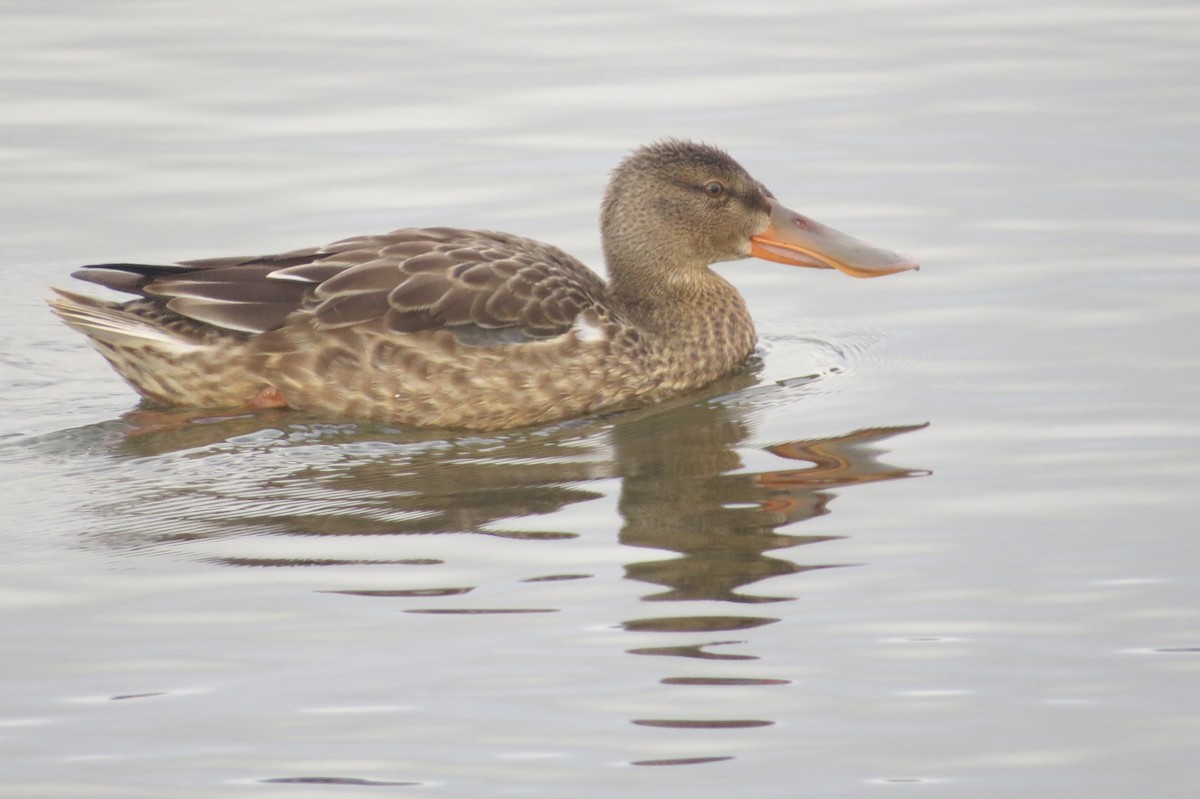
[[786, 586]]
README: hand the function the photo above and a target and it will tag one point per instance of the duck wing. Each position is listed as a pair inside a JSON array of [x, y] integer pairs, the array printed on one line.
[[487, 288]]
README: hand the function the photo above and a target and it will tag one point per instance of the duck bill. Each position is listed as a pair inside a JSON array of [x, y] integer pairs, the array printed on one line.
[[796, 240]]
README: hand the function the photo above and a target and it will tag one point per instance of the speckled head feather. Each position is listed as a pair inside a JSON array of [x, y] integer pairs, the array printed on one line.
[[661, 197]]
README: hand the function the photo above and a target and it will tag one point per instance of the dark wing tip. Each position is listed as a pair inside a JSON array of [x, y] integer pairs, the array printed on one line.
[[128, 278]]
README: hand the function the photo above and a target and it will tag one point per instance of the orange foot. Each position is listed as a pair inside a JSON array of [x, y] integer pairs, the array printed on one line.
[[146, 421], [269, 397]]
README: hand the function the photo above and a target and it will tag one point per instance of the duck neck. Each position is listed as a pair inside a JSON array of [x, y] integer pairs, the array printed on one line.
[[689, 311]]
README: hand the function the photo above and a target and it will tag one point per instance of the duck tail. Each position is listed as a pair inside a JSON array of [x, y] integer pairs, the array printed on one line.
[[114, 324]]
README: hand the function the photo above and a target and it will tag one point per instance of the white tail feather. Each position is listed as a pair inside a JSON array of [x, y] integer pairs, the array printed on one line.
[[107, 322]]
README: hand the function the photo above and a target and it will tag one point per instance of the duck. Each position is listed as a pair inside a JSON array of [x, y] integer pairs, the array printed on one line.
[[448, 328]]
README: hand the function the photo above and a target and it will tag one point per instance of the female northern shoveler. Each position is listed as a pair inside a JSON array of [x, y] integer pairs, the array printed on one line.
[[440, 327]]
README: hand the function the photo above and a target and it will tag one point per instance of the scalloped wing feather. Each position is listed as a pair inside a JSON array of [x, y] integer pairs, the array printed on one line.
[[487, 288], [469, 283]]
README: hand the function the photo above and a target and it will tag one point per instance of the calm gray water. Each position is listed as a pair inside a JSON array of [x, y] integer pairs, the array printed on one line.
[[940, 541]]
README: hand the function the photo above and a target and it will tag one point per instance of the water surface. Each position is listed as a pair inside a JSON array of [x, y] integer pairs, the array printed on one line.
[[938, 539]]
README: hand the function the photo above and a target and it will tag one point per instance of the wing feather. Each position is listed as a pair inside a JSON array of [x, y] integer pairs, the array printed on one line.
[[487, 288]]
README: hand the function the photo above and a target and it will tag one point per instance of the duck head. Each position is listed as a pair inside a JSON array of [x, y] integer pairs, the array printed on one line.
[[682, 204]]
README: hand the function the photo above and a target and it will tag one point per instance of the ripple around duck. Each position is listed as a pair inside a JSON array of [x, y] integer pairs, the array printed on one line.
[[703, 724], [335, 781], [682, 761], [693, 624], [728, 681]]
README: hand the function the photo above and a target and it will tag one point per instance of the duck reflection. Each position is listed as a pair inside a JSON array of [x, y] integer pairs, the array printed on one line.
[[686, 481], [683, 484], [683, 490]]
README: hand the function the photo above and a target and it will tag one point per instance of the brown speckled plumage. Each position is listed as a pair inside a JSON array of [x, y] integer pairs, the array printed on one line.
[[440, 327]]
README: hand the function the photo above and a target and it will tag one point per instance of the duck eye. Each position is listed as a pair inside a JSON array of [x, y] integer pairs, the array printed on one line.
[[714, 188]]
